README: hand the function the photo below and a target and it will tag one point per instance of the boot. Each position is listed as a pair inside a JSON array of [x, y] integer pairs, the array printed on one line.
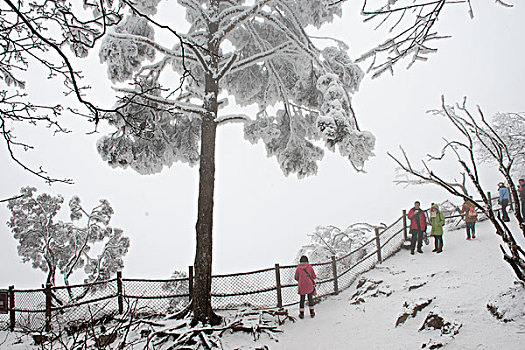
[[312, 312], [301, 313], [439, 247]]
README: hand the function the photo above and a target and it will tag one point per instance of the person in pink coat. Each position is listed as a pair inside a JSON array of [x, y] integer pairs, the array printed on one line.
[[305, 276]]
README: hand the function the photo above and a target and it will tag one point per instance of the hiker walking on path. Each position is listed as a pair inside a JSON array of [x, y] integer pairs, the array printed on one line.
[[471, 217], [503, 200], [436, 221], [305, 276], [521, 192], [418, 225]]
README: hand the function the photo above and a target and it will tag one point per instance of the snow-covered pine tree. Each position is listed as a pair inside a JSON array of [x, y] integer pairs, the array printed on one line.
[[63, 247], [257, 52]]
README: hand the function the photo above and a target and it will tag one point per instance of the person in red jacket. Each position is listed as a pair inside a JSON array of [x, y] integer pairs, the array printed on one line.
[[418, 225], [305, 276]]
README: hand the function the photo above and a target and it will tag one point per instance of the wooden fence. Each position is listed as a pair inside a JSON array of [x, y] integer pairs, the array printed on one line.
[[39, 309]]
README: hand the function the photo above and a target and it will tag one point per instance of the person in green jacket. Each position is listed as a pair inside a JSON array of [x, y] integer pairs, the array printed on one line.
[[437, 220]]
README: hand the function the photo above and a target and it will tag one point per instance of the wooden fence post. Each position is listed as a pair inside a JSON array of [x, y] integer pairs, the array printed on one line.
[[334, 272], [378, 243], [12, 308], [120, 297], [405, 230], [190, 281], [47, 292], [278, 286]]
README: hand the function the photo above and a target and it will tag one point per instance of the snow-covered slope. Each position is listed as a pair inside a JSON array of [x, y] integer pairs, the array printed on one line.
[[450, 291], [459, 282]]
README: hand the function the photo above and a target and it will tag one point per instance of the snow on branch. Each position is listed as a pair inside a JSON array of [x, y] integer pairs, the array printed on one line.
[[411, 39], [231, 118], [242, 17], [310, 50], [183, 106], [147, 41], [261, 56]]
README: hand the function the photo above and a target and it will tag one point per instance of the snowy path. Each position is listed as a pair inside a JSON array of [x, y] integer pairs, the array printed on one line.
[[462, 279]]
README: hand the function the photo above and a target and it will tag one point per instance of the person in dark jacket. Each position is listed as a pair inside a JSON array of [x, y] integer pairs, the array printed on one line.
[[305, 276], [418, 225], [503, 200], [521, 192]]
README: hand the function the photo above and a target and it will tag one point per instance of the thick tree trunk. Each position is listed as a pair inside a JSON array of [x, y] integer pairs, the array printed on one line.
[[203, 256], [201, 303]]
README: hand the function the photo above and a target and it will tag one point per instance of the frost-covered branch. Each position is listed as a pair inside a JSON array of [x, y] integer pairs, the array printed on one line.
[[227, 66], [307, 49], [183, 106], [13, 108], [414, 23], [147, 41], [405, 179], [411, 41], [71, 72], [230, 118], [428, 176], [261, 56], [243, 16], [195, 7]]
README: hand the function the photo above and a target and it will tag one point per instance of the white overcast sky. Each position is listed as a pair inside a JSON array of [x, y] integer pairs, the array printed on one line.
[[261, 216]]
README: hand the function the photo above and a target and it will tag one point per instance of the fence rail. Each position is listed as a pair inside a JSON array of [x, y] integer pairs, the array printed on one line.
[[67, 306]]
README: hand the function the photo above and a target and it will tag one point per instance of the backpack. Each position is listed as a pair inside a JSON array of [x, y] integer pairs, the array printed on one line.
[[471, 213]]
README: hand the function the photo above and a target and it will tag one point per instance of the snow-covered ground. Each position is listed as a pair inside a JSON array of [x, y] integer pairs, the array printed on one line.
[[450, 290], [460, 281]]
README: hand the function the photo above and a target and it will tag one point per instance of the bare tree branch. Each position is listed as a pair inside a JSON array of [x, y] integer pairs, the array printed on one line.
[[476, 130]]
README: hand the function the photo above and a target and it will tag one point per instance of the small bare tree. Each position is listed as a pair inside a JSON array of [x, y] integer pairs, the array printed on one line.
[[476, 132]]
